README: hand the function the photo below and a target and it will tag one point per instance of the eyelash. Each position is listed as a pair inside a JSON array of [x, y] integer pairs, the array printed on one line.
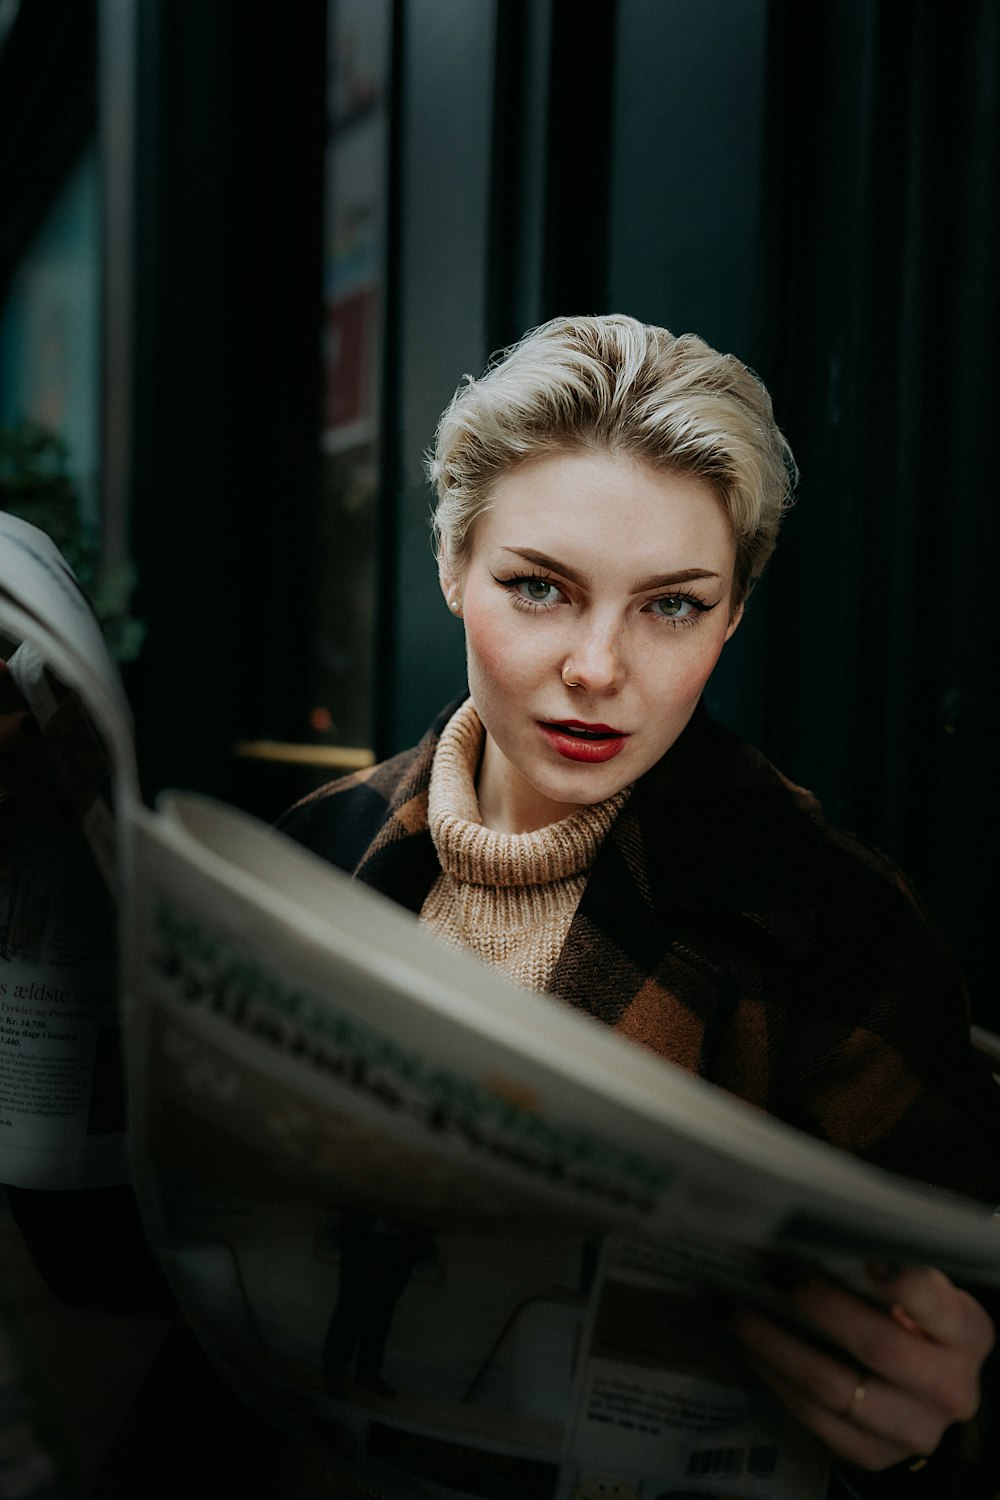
[[520, 601], [698, 606]]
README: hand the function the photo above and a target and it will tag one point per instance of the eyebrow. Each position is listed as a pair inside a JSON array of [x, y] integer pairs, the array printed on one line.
[[642, 586]]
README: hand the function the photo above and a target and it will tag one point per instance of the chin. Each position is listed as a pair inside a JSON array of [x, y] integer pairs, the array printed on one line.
[[584, 790]]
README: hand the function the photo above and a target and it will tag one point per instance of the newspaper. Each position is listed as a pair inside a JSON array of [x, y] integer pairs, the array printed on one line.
[[468, 1238], [61, 1093]]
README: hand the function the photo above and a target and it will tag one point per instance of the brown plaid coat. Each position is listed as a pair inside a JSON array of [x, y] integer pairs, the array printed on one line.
[[727, 925]]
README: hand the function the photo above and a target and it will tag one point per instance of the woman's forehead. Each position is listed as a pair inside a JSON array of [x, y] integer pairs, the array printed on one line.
[[603, 504]]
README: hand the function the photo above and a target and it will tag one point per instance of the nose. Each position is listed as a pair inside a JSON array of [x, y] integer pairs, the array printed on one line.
[[594, 660]]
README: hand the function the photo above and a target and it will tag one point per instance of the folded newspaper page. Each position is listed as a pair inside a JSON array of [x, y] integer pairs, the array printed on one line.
[[61, 1092], [466, 1237]]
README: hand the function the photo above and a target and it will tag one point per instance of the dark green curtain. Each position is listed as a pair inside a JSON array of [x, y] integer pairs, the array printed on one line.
[[884, 147]]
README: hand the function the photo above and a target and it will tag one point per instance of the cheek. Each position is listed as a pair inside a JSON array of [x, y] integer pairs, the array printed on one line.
[[492, 662], [688, 675]]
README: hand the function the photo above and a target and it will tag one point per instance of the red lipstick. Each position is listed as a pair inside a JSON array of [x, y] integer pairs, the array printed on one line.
[[590, 743]]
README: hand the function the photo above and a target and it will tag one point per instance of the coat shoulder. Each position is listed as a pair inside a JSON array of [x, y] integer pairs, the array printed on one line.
[[346, 819], [340, 820], [747, 837]]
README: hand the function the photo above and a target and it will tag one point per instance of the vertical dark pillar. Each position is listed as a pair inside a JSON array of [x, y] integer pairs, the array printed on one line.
[[227, 287], [444, 97], [578, 188]]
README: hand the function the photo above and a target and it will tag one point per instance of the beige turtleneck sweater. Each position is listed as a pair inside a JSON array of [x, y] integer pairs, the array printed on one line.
[[509, 897]]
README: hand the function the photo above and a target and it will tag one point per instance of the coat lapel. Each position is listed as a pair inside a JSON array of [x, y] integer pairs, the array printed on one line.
[[681, 914]]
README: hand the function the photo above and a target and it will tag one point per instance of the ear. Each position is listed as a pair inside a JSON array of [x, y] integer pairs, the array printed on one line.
[[449, 587], [737, 616]]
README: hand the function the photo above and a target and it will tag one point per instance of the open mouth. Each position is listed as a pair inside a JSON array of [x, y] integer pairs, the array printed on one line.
[[590, 743], [579, 731]]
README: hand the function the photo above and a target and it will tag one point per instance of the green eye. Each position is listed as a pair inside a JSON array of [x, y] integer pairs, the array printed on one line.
[[679, 609], [531, 589], [540, 591]]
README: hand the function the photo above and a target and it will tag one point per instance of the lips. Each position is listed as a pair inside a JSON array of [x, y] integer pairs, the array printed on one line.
[[591, 743]]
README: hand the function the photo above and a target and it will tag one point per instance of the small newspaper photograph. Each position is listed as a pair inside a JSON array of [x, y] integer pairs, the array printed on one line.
[[664, 1404]]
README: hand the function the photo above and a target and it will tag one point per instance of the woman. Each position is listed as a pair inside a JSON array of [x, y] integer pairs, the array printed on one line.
[[607, 496]]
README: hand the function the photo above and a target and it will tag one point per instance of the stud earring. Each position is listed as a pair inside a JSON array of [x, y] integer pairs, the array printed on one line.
[[454, 604]]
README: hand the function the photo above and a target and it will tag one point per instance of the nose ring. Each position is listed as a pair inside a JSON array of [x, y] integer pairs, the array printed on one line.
[[567, 680]]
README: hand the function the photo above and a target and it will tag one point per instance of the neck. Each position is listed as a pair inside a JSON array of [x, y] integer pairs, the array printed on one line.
[[510, 804]]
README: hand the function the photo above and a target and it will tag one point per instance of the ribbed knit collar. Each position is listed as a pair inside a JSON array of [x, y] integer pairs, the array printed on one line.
[[481, 856]]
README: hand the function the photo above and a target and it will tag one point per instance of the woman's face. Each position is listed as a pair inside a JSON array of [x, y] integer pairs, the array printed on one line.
[[596, 601]]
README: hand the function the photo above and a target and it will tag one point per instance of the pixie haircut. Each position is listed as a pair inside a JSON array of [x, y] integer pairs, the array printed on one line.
[[614, 385]]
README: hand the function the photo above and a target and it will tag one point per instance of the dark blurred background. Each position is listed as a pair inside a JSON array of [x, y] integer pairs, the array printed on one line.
[[249, 247]]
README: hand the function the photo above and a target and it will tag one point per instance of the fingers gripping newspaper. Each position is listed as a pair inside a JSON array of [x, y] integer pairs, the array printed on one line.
[[467, 1238]]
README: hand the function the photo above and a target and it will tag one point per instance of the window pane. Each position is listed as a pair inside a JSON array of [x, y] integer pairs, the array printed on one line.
[[354, 294]]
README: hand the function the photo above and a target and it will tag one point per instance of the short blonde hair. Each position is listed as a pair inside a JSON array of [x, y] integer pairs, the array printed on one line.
[[616, 385]]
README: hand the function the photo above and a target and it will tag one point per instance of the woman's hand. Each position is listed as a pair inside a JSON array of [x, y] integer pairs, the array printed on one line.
[[908, 1371]]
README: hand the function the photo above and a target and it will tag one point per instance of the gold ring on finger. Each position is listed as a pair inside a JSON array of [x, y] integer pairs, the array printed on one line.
[[857, 1396]]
